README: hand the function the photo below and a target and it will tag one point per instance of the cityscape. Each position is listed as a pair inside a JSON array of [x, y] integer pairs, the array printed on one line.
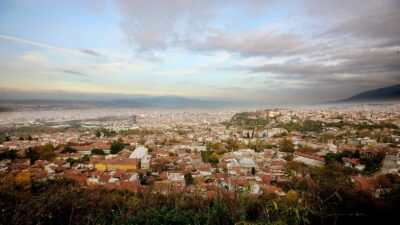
[[199, 112], [209, 154]]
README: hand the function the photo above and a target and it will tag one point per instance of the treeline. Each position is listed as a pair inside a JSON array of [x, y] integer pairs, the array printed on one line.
[[247, 120], [331, 199], [306, 126], [362, 126], [318, 126]]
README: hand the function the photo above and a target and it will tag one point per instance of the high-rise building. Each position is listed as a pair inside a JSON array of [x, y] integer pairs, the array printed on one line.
[[132, 120]]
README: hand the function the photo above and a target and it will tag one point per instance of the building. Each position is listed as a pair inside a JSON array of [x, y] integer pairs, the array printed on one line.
[[309, 159], [132, 120], [141, 153], [118, 163], [271, 132]]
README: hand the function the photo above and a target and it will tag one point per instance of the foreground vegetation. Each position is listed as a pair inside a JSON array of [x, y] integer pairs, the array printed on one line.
[[331, 199]]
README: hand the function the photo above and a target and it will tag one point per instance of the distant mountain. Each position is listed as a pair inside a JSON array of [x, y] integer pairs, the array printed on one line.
[[380, 94]]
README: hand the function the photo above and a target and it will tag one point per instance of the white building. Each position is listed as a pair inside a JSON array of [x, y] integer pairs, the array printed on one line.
[[141, 153], [271, 132]]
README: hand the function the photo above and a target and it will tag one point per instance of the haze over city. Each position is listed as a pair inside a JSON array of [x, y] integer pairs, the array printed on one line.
[[253, 51]]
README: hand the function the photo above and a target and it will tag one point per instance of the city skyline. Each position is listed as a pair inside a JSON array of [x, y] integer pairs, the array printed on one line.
[[256, 51]]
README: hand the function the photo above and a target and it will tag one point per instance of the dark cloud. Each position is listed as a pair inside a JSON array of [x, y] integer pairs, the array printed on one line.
[[356, 72], [255, 44], [377, 24], [73, 72], [90, 52]]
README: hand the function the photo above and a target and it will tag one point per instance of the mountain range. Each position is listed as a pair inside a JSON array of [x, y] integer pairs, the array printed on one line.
[[380, 94]]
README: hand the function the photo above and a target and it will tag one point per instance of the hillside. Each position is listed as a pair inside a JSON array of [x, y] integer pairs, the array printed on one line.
[[380, 94]]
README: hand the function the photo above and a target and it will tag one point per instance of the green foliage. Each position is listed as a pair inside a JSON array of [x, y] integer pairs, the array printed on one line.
[[68, 149], [71, 161], [98, 133], [84, 159], [338, 125], [290, 126], [258, 145], [209, 156], [9, 154], [97, 152], [32, 155], [332, 157], [106, 132], [288, 157], [362, 126], [116, 146], [373, 163], [43, 152], [140, 132], [312, 126], [286, 145], [189, 179], [331, 201], [306, 126], [248, 120], [232, 144]]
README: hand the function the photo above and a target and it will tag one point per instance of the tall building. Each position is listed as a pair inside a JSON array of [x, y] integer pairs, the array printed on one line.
[[132, 120]]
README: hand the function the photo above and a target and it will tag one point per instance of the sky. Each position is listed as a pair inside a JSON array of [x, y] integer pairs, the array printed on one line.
[[261, 51]]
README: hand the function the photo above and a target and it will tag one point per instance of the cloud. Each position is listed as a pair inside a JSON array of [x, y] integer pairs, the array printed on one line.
[[369, 68], [255, 44], [90, 52], [378, 23], [47, 46], [154, 24], [73, 72]]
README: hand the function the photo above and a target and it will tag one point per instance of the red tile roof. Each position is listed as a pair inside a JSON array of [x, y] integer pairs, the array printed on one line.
[[310, 156]]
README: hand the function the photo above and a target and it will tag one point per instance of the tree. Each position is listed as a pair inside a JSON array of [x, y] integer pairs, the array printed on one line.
[[68, 149], [97, 152], [30, 138], [214, 158], [46, 152], [232, 144], [286, 145], [356, 154], [71, 161], [7, 138], [32, 155], [205, 155], [21, 138], [98, 133], [253, 171], [312, 126], [85, 158], [9, 154], [189, 179], [116, 147]]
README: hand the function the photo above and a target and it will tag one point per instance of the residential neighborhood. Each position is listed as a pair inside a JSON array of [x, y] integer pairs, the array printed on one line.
[[210, 154]]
